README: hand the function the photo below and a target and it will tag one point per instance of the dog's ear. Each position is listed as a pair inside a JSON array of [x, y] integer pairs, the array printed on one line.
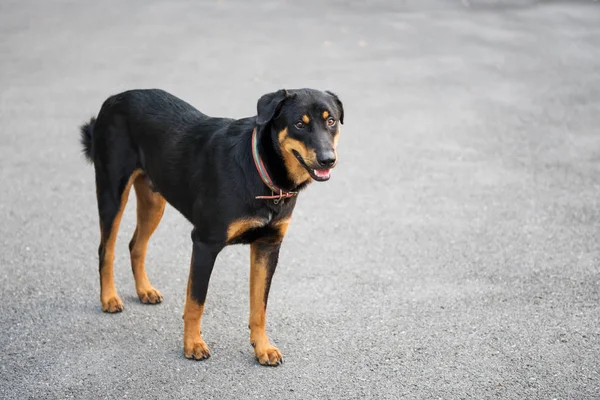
[[339, 105], [269, 105]]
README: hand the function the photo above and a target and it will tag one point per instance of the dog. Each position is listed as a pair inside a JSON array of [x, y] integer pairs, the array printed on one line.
[[235, 180]]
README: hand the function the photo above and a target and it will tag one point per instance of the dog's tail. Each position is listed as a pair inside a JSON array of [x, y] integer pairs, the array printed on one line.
[[87, 130]]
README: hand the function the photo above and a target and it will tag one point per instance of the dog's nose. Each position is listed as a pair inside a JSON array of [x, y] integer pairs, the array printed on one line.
[[326, 159]]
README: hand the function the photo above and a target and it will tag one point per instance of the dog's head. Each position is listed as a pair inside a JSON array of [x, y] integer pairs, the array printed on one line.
[[306, 123]]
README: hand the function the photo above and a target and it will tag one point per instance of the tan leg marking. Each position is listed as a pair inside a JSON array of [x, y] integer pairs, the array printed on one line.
[[265, 352], [150, 209], [194, 346], [282, 225], [111, 302]]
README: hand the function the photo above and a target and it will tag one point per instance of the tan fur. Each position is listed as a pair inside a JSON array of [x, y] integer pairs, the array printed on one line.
[[296, 172], [265, 353], [238, 227], [193, 344], [150, 209], [111, 302], [282, 225], [336, 139]]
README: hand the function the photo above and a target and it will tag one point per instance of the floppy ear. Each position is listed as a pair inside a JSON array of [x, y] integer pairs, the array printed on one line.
[[269, 105], [339, 104]]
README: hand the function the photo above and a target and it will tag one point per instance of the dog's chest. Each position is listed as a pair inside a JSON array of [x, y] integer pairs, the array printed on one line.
[[249, 229]]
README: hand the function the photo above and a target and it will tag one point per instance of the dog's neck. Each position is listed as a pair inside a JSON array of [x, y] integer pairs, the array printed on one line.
[[270, 152]]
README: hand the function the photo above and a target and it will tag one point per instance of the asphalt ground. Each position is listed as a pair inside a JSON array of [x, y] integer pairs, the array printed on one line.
[[454, 254]]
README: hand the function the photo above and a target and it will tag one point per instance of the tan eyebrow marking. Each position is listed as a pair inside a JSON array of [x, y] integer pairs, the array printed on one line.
[[305, 119], [325, 114]]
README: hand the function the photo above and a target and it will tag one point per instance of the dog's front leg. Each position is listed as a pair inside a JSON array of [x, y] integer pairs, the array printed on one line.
[[263, 260], [203, 259]]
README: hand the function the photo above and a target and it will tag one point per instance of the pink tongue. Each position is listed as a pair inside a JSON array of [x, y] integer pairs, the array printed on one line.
[[322, 173]]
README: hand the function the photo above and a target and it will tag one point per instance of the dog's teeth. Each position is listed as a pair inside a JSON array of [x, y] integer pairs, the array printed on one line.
[[321, 173]]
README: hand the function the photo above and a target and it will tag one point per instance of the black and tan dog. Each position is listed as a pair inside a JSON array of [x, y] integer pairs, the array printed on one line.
[[236, 181]]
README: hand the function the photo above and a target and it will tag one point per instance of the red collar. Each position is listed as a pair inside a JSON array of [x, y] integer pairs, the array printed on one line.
[[278, 193]]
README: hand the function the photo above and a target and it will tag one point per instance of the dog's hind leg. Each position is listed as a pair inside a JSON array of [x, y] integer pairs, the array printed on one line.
[[112, 193], [150, 209], [115, 163]]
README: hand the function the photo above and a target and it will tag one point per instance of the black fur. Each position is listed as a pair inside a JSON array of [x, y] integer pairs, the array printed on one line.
[[87, 131]]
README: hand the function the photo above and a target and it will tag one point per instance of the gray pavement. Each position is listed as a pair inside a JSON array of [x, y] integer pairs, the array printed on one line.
[[453, 255]]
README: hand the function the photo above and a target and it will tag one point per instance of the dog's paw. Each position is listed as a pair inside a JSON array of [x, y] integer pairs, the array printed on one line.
[[268, 355], [150, 296], [112, 304], [196, 351]]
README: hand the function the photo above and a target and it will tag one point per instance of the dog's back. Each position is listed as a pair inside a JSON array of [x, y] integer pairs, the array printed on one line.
[[145, 114], [155, 132]]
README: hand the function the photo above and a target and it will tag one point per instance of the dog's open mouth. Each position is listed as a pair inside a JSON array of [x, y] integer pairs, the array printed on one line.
[[320, 175]]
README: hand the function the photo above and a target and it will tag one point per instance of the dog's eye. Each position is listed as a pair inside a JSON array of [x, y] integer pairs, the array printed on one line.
[[299, 124], [331, 121]]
